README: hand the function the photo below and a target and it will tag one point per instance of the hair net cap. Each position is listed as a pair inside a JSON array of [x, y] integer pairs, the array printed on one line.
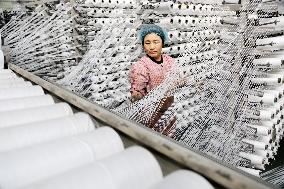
[[152, 28]]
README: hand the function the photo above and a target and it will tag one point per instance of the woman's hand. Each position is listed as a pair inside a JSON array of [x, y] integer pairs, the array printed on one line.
[[136, 96]]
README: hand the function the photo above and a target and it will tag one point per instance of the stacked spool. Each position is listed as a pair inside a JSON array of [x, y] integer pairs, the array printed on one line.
[[111, 35], [48, 46], [266, 100]]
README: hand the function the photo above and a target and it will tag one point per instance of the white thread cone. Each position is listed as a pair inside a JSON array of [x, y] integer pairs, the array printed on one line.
[[8, 81], [133, 168], [8, 75], [17, 117], [38, 132], [26, 102], [5, 71], [4, 86], [31, 164], [183, 179], [21, 92]]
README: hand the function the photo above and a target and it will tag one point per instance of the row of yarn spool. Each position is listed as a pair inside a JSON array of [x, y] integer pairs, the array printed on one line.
[[112, 49], [47, 146], [266, 100], [92, 15], [7, 15], [42, 42]]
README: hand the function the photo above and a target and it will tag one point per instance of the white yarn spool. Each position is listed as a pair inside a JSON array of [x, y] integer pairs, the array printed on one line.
[[4, 76], [251, 171], [255, 159], [256, 144], [133, 172], [17, 83], [89, 2], [43, 131], [276, 93], [165, 7], [5, 71], [26, 102], [11, 80], [261, 130], [121, 171], [230, 1], [271, 43], [166, 22], [259, 166], [266, 81], [265, 139], [265, 114], [268, 124], [1, 57], [92, 175], [268, 62], [20, 92], [277, 22], [262, 153], [183, 179], [30, 164], [23, 116]]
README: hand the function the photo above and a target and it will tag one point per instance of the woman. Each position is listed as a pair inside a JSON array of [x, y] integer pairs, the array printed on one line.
[[151, 69]]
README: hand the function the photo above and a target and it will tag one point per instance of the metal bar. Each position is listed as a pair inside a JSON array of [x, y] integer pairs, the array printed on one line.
[[212, 168]]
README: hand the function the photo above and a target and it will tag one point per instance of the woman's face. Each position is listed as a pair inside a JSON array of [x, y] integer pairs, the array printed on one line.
[[153, 45]]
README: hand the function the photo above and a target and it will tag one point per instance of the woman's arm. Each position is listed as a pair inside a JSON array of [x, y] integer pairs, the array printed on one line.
[[139, 79]]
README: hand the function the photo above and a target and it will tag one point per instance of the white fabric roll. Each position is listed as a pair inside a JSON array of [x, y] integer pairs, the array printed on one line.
[[183, 179], [16, 84], [26, 102], [31, 164], [38, 132], [21, 92], [30, 115], [134, 168]]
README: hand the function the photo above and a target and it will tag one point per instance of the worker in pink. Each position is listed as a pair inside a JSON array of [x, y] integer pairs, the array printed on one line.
[[151, 69]]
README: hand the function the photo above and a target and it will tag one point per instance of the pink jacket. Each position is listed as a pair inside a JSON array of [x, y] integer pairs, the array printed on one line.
[[145, 75]]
